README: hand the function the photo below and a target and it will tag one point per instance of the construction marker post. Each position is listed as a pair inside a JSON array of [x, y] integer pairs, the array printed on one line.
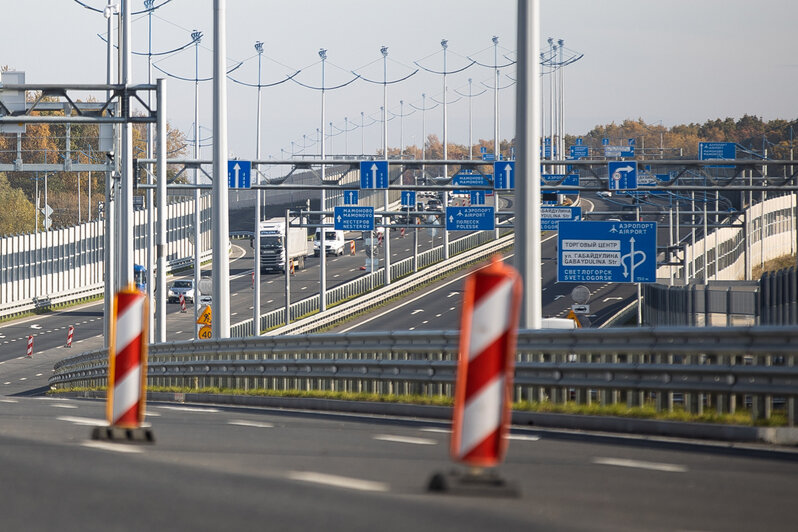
[[352, 247], [29, 352], [483, 393], [182, 303], [127, 370], [70, 333]]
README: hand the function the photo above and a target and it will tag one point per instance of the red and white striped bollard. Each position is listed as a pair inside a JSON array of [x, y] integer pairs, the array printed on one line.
[[29, 352], [182, 303], [70, 333], [483, 395], [127, 373]]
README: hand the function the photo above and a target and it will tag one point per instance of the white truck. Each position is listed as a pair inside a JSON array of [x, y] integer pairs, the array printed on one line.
[[334, 242], [273, 240]]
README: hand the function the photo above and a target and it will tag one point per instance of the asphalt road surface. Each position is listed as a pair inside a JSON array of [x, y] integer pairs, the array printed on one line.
[[237, 469]]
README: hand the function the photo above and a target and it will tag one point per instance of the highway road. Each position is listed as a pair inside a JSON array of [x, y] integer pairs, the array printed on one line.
[[217, 468]]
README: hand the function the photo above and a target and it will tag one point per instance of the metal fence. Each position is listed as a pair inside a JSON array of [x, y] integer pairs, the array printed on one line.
[[50, 267], [723, 369], [779, 297], [373, 281]]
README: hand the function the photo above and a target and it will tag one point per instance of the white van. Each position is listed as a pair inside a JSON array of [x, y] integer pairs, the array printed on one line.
[[334, 243]]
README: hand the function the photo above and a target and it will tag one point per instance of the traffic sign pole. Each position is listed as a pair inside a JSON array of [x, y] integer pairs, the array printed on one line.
[[527, 125]]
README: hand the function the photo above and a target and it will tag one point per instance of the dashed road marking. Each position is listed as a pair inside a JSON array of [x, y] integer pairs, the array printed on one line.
[[337, 481], [640, 464], [404, 439], [84, 421], [115, 447], [245, 423]]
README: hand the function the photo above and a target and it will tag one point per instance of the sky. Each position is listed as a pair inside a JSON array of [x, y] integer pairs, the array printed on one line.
[[671, 62]]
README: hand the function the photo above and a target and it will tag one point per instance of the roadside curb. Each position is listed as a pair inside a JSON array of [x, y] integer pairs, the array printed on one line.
[[781, 436]]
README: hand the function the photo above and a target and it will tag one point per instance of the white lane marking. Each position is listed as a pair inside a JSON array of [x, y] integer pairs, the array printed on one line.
[[152, 414], [404, 439], [410, 329], [60, 405], [438, 315], [452, 308], [190, 409], [115, 447], [522, 437], [233, 313], [3, 362], [337, 481], [612, 299], [36, 326], [38, 374], [23, 379], [12, 401], [639, 464], [84, 421], [245, 423], [270, 301], [424, 322], [452, 294], [6, 383], [416, 311], [336, 275], [436, 430], [179, 332]]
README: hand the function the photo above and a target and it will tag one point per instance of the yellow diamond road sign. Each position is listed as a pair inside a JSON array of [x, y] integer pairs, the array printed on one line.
[[205, 316]]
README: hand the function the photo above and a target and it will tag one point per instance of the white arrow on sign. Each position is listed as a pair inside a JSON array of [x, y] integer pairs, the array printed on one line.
[[507, 170], [339, 218], [236, 168], [374, 175]]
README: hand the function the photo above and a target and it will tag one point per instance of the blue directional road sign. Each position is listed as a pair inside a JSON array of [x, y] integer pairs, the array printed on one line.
[[469, 219], [550, 217], [354, 218], [622, 175], [408, 198], [579, 152], [238, 174], [504, 175], [351, 197], [373, 174], [467, 179], [615, 252], [717, 150], [488, 156], [477, 197], [570, 180]]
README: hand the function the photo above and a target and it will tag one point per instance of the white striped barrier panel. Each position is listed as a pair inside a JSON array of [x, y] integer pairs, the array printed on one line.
[[483, 393], [127, 375]]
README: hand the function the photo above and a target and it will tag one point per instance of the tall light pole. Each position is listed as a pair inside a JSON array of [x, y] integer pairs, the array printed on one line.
[[322, 240], [386, 239], [496, 146], [258, 200], [220, 206], [362, 134], [527, 240], [401, 128], [126, 255], [109, 206], [150, 207], [346, 136], [197, 37], [445, 202]]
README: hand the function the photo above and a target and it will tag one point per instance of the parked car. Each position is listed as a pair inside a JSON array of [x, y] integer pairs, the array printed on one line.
[[604, 194], [181, 286]]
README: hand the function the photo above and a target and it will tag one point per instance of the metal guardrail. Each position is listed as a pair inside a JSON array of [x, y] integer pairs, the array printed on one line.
[[708, 368]]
